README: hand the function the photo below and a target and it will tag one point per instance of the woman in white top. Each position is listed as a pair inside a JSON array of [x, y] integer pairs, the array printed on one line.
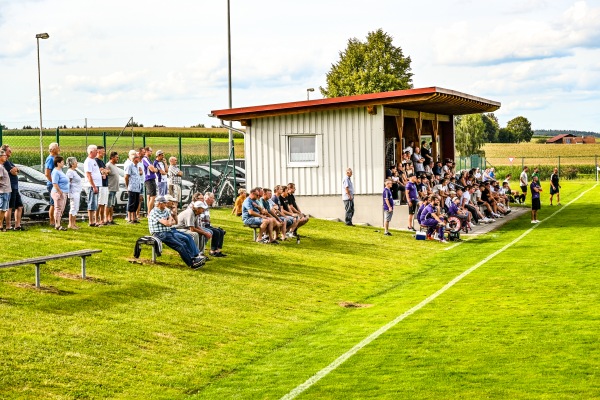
[[74, 191]]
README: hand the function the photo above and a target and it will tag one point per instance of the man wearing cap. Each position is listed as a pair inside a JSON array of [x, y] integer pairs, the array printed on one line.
[[161, 223], [161, 173], [149, 177], [187, 223]]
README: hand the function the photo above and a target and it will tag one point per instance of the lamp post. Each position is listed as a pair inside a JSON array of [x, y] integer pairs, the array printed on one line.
[[38, 37], [229, 74], [308, 92]]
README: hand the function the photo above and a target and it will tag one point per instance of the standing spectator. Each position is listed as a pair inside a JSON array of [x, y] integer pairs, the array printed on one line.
[[412, 198], [60, 188], [536, 172], [54, 150], [388, 206], [174, 175], [427, 157], [149, 177], [5, 189], [15, 203], [418, 160], [555, 186], [536, 203], [113, 187], [409, 148], [348, 197], [218, 234], [103, 189], [523, 183], [161, 173], [134, 183], [94, 177], [160, 223], [75, 188]]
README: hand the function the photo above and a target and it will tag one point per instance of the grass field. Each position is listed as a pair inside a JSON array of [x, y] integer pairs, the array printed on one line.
[[265, 319]]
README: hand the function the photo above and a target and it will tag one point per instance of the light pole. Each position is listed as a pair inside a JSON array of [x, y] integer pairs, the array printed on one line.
[[229, 75], [38, 37], [308, 92]]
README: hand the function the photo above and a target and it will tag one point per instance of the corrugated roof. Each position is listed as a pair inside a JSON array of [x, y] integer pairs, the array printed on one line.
[[431, 100], [559, 137]]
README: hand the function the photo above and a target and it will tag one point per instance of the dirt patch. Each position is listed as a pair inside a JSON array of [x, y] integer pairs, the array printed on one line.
[[77, 277], [45, 289], [350, 304], [143, 261]]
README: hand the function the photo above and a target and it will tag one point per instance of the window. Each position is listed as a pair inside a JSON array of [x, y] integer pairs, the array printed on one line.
[[302, 150]]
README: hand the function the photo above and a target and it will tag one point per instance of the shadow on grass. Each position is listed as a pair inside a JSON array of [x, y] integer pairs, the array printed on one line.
[[106, 299]]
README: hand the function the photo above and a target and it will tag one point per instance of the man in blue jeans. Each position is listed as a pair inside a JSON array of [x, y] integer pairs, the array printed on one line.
[[160, 224]]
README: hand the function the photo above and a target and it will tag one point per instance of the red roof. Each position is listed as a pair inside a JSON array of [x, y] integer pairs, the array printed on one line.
[[431, 99], [558, 138]]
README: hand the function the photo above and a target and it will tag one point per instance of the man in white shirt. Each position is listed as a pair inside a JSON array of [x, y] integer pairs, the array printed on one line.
[[348, 197], [523, 183], [94, 177]]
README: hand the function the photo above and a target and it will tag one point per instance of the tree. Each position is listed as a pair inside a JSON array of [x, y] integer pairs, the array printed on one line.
[[520, 127], [506, 136], [470, 135], [491, 127], [369, 67]]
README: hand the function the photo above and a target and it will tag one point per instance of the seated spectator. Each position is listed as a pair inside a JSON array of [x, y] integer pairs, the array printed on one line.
[[251, 215], [286, 211], [187, 223], [279, 224], [218, 234], [291, 200], [237, 207], [161, 223], [431, 218]]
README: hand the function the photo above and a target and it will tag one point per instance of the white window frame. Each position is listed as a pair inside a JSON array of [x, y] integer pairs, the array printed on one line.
[[309, 164]]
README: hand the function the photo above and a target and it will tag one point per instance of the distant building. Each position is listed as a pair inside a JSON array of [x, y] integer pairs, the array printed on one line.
[[569, 138]]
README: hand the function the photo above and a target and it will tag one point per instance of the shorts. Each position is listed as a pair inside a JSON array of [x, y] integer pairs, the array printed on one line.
[[74, 199], [112, 199], [15, 200], [150, 187], [92, 199], [4, 201], [387, 215], [49, 186], [524, 189], [162, 188], [412, 207], [536, 204], [102, 195], [253, 221], [289, 221], [554, 191]]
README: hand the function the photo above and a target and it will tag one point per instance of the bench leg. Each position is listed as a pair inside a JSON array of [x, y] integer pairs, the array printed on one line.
[[255, 234], [83, 267], [153, 254], [37, 275]]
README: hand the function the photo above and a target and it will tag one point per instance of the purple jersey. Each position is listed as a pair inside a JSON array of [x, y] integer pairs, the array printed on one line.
[[411, 189], [387, 194]]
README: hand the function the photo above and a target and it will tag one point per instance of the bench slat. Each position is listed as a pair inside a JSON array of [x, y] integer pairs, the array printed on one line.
[[43, 259]]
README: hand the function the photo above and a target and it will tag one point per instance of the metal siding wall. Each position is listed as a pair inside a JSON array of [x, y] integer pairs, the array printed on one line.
[[346, 138]]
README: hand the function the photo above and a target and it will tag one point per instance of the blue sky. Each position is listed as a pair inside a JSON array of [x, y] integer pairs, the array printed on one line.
[[166, 62]]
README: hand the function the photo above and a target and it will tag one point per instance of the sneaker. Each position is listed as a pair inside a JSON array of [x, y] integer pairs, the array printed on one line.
[[537, 221], [508, 211], [387, 234], [411, 228], [290, 234], [443, 241], [430, 238], [534, 222]]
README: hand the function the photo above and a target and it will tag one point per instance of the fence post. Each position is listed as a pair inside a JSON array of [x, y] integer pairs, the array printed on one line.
[[558, 166], [233, 167], [1, 143], [104, 144], [180, 156], [210, 163], [596, 158], [522, 163], [58, 135], [144, 140]]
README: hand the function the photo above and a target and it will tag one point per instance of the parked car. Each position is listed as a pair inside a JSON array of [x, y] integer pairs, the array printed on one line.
[[239, 162], [33, 175], [35, 199], [240, 173]]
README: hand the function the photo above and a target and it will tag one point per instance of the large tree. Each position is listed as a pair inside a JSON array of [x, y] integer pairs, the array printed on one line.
[[491, 127], [520, 127], [369, 67], [470, 135]]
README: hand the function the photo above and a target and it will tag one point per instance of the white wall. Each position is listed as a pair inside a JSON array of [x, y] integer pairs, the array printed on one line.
[[345, 138]]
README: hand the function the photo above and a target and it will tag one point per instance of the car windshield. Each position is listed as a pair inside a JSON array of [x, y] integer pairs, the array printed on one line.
[[35, 175]]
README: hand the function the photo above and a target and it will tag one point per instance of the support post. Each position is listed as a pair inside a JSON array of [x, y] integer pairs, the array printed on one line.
[[104, 144], [596, 158], [558, 165], [83, 276], [37, 275], [233, 168], [180, 162], [210, 163], [58, 135], [153, 254]]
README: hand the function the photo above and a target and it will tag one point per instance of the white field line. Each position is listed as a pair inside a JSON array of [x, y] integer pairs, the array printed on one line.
[[325, 371]]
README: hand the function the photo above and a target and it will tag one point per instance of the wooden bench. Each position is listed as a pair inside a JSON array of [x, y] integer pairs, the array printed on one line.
[[38, 261], [256, 228]]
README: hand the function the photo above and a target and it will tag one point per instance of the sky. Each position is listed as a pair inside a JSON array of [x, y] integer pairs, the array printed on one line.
[[165, 63]]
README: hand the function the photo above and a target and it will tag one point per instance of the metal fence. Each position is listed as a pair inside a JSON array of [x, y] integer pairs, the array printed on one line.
[[207, 163], [569, 167]]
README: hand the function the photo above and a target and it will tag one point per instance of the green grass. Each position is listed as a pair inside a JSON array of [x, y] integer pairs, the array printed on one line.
[[263, 320]]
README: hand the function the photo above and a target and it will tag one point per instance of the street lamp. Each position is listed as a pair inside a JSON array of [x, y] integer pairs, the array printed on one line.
[[308, 92], [38, 37]]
